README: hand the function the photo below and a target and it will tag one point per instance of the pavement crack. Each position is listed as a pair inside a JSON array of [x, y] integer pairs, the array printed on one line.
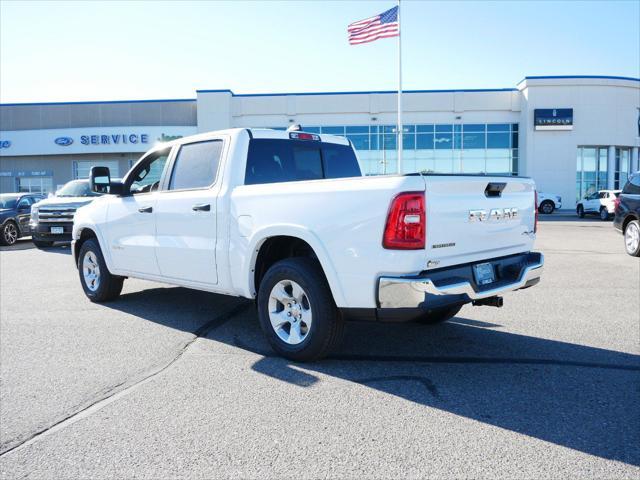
[[124, 388]]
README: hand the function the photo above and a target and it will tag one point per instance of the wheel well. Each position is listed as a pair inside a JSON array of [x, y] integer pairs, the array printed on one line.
[[547, 201], [278, 248], [85, 235]]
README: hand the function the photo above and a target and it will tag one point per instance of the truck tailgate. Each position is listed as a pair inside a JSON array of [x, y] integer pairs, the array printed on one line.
[[472, 218]]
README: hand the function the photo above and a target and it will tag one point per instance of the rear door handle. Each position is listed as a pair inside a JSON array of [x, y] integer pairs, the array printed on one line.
[[145, 209], [201, 207]]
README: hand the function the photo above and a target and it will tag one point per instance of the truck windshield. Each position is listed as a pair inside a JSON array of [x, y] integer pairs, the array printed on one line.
[[8, 201], [77, 188], [281, 160]]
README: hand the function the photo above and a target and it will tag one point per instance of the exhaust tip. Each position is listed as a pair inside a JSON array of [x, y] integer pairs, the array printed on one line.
[[489, 302]]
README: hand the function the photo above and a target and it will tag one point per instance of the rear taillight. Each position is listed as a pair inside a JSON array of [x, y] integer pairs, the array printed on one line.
[[406, 222], [535, 211], [616, 204]]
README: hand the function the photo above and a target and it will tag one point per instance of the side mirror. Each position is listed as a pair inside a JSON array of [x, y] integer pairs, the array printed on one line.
[[100, 179], [100, 182]]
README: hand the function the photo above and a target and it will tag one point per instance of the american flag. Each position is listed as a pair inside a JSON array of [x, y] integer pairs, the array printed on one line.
[[384, 25]]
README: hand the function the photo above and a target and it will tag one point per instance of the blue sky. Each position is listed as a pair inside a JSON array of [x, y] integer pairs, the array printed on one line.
[[59, 51]]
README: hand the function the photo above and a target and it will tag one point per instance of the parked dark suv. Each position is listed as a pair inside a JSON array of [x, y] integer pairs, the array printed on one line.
[[15, 212], [627, 219]]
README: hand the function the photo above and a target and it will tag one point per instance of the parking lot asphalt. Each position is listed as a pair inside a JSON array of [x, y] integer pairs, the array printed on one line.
[[173, 383]]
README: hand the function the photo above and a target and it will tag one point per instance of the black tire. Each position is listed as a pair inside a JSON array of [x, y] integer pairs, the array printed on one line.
[[632, 225], [326, 327], [604, 214], [547, 207], [439, 315], [42, 243], [9, 233], [108, 286], [580, 211]]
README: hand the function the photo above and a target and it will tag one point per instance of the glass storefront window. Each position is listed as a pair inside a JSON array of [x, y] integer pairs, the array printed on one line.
[[591, 171], [444, 141], [473, 140], [498, 140], [424, 141], [623, 165], [357, 129], [35, 184], [439, 148]]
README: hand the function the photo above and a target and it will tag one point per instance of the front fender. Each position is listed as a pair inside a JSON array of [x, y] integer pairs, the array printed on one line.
[[84, 219], [261, 235]]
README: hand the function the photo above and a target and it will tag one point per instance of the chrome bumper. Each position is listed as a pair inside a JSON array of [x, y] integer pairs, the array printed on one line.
[[413, 292]]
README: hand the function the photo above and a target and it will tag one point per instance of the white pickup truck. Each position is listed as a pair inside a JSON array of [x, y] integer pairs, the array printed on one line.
[[287, 219]]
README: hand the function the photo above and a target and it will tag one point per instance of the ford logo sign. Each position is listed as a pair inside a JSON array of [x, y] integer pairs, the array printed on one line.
[[64, 141]]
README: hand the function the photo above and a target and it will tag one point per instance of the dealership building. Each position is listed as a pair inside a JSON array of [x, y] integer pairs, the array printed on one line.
[[571, 134]]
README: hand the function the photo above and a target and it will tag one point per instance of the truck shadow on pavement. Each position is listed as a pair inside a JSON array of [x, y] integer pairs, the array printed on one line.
[[575, 396]]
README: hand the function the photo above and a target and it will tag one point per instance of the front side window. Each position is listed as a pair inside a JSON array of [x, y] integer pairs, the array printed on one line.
[[196, 165], [146, 176], [24, 203]]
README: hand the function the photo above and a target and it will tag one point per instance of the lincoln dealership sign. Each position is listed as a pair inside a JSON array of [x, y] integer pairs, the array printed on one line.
[[553, 118], [90, 140]]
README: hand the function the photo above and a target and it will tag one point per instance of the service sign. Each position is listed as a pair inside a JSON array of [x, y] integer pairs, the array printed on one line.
[[128, 139], [553, 118]]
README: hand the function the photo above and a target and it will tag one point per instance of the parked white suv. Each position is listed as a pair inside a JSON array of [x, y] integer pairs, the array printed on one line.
[[601, 203], [287, 218], [548, 202]]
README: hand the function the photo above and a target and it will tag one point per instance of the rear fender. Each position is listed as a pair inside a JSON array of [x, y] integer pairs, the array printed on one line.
[[260, 236]]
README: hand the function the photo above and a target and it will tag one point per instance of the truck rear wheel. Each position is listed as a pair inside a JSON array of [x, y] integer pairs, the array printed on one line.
[[297, 312], [98, 283], [439, 315]]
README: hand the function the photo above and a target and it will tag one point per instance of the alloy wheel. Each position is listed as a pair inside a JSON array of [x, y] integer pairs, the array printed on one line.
[[10, 233], [91, 271], [632, 238], [290, 312]]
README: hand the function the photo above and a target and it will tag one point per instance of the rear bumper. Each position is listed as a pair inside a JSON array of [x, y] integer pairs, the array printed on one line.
[[456, 285]]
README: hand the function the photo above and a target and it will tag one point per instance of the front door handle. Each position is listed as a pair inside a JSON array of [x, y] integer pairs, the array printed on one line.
[[145, 209], [201, 207]]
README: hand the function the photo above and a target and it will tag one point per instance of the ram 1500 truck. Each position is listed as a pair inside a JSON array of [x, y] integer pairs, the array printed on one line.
[[286, 218]]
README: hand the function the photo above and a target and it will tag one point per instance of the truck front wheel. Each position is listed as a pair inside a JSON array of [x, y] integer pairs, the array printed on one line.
[[438, 315], [297, 312], [98, 283]]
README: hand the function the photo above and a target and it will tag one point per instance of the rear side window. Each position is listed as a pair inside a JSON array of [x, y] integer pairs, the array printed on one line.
[[280, 160], [196, 165], [633, 185]]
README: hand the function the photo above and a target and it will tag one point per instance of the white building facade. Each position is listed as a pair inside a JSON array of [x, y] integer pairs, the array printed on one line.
[[572, 134]]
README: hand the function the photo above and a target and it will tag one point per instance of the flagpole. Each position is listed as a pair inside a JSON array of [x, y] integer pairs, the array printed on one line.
[[400, 127]]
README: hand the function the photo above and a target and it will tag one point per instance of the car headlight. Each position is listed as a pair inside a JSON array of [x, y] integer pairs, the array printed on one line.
[[34, 214], [559, 199]]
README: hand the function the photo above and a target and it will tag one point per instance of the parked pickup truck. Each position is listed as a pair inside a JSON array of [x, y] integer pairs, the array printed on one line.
[[287, 219], [52, 218]]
